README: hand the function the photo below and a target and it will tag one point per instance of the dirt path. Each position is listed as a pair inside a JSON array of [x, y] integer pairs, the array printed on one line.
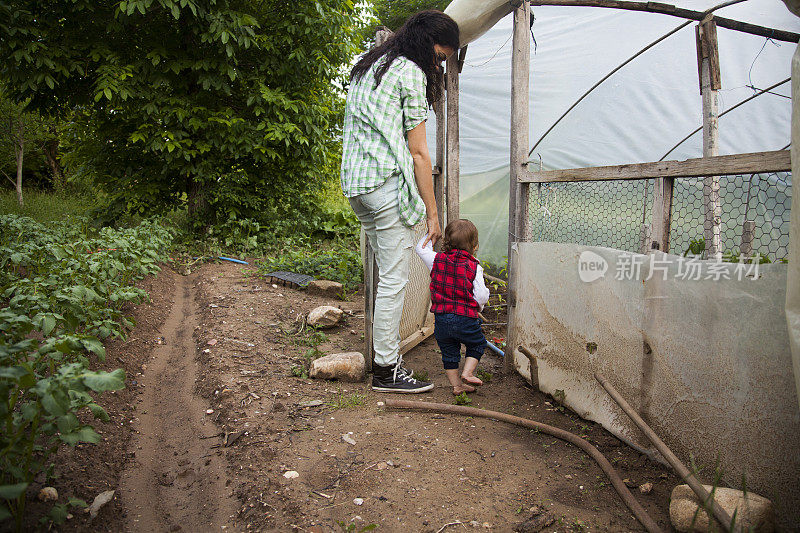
[[177, 480]]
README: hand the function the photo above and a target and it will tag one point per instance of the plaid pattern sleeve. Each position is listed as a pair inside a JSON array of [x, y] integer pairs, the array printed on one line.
[[374, 141]]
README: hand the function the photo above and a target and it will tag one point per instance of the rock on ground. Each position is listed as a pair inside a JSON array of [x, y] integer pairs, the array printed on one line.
[[342, 366], [753, 513], [324, 287], [324, 316]]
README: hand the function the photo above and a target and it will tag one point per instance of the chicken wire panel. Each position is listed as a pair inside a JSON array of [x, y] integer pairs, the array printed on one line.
[[417, 300], [592, 213], [763, 199]]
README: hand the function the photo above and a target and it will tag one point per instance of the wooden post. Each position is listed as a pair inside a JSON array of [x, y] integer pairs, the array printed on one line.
[[748, 231], [710, 83], [452, 151], [517, 194], [439, 189], [662, 214], [370, 263]]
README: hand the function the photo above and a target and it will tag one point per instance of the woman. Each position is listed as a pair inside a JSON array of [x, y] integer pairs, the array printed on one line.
[[386, 168]]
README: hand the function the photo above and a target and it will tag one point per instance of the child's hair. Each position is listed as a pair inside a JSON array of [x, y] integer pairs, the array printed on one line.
[[460, 234]]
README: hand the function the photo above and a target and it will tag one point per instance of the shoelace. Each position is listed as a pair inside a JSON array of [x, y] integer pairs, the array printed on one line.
[[402, 371]]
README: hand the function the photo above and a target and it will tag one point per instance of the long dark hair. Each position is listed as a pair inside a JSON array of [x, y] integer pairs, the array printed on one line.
[[414, 40]]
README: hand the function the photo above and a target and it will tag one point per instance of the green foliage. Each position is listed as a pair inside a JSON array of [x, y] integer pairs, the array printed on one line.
[[339, 261], [62, 287], [462, 399], [420, 375], [48, 206], [393, 13], [697, 248], [23, 132], [229, 107], [484, 375], [343, 401]]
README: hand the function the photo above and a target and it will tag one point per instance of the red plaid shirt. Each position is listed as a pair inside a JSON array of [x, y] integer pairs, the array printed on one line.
[[452, 277]]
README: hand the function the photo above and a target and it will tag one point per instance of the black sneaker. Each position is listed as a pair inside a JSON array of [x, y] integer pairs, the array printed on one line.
[[386, 379]]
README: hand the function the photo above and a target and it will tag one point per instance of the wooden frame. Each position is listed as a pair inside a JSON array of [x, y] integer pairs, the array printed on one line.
[[669, 9], [518, 196], [756, 162]]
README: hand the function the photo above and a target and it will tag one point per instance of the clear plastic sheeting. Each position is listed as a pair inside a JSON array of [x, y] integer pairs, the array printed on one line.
[[635, 116], [793, 281], [700, 349]]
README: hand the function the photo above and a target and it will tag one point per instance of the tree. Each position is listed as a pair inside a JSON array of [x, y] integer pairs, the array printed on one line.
[[227, 106], [392, 13], [20, 130]]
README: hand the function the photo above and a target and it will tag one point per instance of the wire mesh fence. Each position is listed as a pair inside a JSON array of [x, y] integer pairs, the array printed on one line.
[[617, 214]]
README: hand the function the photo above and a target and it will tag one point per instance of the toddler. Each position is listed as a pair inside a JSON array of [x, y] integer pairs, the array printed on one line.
[[458, 293]]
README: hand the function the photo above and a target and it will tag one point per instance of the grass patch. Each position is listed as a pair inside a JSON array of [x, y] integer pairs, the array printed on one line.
[[343, 401], [420, 375], [47, 206]]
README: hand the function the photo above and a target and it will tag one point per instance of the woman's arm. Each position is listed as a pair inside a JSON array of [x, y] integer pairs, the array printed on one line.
[[418, 145]]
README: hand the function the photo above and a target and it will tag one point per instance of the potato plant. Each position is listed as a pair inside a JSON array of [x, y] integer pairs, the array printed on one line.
[[62, 288]]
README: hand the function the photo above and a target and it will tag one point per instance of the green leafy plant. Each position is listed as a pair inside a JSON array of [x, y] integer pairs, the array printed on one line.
[[484, 375], [462, 399], [64, 286]]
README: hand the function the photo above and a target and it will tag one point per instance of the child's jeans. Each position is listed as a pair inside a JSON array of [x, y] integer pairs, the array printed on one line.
[[451, 331]]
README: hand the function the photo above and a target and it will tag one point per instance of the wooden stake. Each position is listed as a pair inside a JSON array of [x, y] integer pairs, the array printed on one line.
[[748, 231], [439, 189], [453, 153], [517, 194], [708, 62], [662, 214]]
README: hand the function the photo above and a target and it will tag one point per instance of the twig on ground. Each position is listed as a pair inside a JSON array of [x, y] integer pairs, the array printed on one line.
[[457, 522]]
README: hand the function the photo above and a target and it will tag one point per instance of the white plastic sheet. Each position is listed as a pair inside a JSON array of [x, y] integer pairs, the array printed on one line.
[[635, 116]]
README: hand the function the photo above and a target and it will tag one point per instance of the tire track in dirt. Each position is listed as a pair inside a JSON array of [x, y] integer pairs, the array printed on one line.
[[177, 481]]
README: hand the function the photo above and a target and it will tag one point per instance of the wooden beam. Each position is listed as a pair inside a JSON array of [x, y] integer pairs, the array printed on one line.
[[452, 149], [752, 163], [708, 65], [417, 337], [668, 9], [439, 175], [518, 157]]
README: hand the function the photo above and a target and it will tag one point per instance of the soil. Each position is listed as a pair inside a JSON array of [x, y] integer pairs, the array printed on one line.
[[213, 418]]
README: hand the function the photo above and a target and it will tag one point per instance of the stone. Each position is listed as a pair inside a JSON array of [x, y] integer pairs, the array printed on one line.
[[324, 316], [347, 366], [358, 501], [324, 287], [48, 494], [291, 474], [99, 501], [753, 512], [348, 439]]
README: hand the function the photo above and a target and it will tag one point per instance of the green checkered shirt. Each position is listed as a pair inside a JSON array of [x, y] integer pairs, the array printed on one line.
[[375, 125]]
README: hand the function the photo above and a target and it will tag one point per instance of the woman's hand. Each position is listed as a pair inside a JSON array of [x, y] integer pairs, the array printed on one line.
[[434, 230]]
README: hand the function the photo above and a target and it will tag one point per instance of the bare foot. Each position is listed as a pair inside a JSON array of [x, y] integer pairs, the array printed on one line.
[[458, 389], [472, 380]]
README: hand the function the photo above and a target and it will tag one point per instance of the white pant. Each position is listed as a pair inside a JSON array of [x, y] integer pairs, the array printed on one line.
[[392, 241]]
